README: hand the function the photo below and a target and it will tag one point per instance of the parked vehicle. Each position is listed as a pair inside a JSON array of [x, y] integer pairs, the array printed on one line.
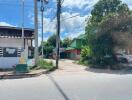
[[123, 58]]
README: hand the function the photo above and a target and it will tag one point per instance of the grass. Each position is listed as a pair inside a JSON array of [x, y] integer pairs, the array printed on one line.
[[81, 63], [43, 64]]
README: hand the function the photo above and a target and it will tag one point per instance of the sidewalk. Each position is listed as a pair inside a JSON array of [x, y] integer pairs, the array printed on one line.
[[11, 75]]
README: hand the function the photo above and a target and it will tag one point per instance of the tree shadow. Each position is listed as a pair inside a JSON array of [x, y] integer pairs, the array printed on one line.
[[58, 87], [124, 71]]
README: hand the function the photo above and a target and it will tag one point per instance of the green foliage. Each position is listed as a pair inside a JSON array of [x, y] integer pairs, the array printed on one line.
[[66, 42], [48, 49], [52, 40], [99, 52], [86, 53], [43, 64], [107, 16], [104, 7], [103, 50], [50, 44]]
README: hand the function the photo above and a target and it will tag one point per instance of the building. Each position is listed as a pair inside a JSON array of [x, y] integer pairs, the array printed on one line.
[[63, 54], [74, 51], [12, 45]]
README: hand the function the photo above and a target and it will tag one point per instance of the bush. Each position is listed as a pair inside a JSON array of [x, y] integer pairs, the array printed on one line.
[[99, 53], [85, 54], [43, 64]]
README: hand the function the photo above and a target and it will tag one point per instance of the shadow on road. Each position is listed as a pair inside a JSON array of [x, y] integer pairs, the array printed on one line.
[[58, 87], [108, 71]]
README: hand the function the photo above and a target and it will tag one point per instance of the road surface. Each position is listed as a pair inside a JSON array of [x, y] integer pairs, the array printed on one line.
[[69, 83]]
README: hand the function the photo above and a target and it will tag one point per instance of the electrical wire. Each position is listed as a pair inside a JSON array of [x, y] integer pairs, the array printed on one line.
[[71, 17]]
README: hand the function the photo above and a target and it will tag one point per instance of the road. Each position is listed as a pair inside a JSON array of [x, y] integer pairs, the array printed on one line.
[[69, 83]]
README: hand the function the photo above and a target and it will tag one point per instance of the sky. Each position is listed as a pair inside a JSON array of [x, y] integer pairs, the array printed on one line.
[[11, 15]]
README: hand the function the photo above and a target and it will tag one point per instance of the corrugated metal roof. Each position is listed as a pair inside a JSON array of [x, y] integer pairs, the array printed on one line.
[[16, 28]]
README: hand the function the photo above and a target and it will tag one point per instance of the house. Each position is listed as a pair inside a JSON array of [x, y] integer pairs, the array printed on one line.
[[74, 51], [63, 54], [12, 45]]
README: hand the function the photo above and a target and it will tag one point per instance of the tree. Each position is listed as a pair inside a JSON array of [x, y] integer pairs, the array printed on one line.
[[66, 42], [119, 27], [49, 46], [104, 7], [105, 22], [52, 40], [48, 49]]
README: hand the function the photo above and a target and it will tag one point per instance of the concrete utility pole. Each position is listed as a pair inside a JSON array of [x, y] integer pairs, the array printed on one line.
[[23, 23], [36, 30], [58, 33], [42, 16]]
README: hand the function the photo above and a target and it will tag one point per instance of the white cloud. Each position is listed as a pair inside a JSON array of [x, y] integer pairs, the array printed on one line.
[[6, 24], [88, 3], [74, 35], [73, 26], [39, 41], [69, 27], [49, 25], [79, 3]]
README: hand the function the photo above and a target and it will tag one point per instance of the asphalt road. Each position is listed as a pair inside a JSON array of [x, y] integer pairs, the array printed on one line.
[[69, 85]]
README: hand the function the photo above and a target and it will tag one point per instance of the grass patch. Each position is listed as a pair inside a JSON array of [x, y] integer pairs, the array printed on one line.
[[43, 64]]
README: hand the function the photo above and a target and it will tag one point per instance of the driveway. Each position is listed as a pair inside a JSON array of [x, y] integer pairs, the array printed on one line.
[[69, 66], [70, 82]]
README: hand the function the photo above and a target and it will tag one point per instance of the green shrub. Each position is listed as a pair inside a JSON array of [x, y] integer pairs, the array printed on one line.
[[43, 64], [85, 53], [99, 53]]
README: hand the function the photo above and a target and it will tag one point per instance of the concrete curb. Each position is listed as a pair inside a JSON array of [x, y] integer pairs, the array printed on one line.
[[26, 75]]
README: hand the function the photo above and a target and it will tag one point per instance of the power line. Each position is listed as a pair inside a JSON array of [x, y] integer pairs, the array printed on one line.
[[71, 17], [79, 26], [52, 21]]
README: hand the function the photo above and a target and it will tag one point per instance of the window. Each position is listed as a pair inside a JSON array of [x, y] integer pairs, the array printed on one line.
[[10, 52]]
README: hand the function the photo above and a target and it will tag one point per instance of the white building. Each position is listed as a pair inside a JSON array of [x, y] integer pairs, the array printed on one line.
[[12, 44]]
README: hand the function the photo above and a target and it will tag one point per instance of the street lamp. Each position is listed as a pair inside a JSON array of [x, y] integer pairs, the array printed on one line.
[[42, 15]]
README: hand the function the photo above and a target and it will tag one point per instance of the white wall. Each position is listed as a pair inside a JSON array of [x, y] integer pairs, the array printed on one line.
[[8, 62], [10, 42]]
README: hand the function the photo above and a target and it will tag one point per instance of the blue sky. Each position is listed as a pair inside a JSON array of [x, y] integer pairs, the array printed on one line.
[[10, 15]]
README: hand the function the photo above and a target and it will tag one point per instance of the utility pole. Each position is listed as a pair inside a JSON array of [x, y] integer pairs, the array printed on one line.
[[58, 33], [36, 30], [42, 13], [42, 16], [23, 23]]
